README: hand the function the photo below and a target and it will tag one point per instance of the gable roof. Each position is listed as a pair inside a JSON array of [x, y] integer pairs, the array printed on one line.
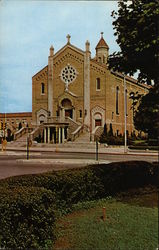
[[69, 45]]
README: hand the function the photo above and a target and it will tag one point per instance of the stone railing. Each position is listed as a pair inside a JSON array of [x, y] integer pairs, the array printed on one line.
[[76, 133], [73, 126], [55, 119], [21, 132], [36, 132], [96, 133]]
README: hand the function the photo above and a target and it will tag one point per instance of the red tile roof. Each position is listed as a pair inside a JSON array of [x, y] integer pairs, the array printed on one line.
[[16, 115], [102, 44]]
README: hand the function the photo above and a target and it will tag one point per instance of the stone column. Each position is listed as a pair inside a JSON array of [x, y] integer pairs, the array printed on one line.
[[62, 114], [63, 135], [44, 135], [50, 81], [59, 135], [87, 85], [48, 135]]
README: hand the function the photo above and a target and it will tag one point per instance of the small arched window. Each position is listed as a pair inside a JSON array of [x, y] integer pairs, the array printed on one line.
[[98, 84], [42, 88], [117, 100], [80, 113], [99, 59]]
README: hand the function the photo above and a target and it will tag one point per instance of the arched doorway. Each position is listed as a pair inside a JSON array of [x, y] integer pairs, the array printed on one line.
[[41, 118], [42, 115], [9, 135], [20, 126], [98, 120], [68, 109]]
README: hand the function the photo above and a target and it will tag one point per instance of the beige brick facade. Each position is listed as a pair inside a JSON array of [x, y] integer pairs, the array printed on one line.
[[80, 87], [91, 97]]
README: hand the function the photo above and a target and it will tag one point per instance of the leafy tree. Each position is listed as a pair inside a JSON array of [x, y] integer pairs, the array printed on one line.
[[110, 133], [147, 115], [136, 26], [105, 129], [103, 137]]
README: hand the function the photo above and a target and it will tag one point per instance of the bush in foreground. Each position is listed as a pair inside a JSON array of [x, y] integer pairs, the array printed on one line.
[[27, 203], [27, 218]]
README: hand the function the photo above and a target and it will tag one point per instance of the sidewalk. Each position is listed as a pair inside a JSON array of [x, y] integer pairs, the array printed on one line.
[[79, 148], [73, 162]]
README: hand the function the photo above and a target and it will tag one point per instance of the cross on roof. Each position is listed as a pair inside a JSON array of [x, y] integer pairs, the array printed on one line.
[[68, 38]]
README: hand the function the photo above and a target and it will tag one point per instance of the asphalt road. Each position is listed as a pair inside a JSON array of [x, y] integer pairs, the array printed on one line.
[[15, 162]]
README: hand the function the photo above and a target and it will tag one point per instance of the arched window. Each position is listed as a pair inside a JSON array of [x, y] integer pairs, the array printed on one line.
[[42, 88], [99, 59], [117, 100], [98, 84], [80, 113]]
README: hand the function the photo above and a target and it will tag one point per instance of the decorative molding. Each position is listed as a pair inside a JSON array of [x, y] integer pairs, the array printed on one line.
[[41, 115], [95, 112]]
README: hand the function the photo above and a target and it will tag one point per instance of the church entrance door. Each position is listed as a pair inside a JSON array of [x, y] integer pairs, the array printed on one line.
[[98, 122], [67, 105], [68, 113]]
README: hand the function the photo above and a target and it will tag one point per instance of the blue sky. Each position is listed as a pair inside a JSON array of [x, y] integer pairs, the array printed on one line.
[[29, 28]]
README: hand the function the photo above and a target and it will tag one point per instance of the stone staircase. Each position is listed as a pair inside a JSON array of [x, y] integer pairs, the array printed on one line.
[[83, 138], [20, 142], [83, 141]]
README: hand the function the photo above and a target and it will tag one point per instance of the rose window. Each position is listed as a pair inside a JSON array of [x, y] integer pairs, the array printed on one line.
[[68, 74]]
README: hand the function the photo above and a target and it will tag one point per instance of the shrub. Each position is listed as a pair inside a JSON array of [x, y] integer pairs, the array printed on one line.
[[122, 176], [71, 186], [27, 218], [112, 140], [27, 203]]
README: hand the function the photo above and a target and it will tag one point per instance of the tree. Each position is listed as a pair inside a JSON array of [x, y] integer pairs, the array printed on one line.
[[110, 133], [136, 24], [105, 130], [146, 116]]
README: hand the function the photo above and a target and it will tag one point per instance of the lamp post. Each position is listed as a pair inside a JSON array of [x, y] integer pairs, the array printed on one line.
[[125, 117]]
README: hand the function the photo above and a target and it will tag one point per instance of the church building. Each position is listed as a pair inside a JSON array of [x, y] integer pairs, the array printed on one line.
[[76, 94]]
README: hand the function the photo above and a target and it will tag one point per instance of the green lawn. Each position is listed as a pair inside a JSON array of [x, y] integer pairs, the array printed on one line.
[[127, 227]]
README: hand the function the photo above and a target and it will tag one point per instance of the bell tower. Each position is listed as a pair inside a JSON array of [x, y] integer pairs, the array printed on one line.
[[102, 50]]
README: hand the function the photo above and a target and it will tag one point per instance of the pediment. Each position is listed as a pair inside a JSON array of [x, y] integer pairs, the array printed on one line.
[[68, 53], [67, 47]]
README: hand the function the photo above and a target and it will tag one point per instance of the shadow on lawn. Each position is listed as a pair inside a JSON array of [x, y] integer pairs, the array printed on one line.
[[145, 197]]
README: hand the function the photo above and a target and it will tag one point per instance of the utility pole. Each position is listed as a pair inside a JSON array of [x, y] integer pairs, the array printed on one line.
[[125, 116]]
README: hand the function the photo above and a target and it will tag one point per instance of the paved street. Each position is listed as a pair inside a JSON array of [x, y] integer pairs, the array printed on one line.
[[14, 162]]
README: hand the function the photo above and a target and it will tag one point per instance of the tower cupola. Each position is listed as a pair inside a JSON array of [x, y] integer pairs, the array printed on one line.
[[102, 50]]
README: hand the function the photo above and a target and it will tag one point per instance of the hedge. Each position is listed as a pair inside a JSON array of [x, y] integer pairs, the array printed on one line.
[[28, 203], [93, 182], [144, 147], [27, 218]]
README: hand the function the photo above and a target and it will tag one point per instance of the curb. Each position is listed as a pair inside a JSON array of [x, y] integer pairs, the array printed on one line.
[[84, 152]]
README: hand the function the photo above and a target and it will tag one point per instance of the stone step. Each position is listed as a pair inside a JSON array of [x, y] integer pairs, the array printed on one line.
[[83, 138]]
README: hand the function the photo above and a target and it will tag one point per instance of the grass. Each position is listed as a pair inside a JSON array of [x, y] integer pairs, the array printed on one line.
[[127, 226]]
